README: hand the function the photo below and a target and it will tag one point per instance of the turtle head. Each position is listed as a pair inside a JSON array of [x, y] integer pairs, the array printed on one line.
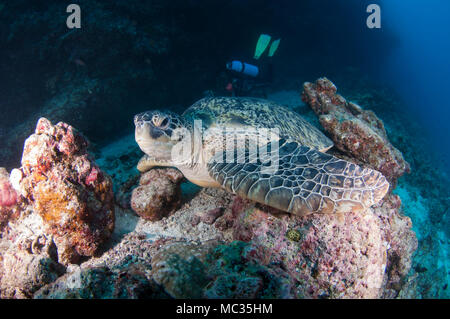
[[157, 132]]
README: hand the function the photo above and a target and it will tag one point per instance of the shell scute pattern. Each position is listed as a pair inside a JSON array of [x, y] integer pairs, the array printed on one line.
[[306, 183], [257, 113]]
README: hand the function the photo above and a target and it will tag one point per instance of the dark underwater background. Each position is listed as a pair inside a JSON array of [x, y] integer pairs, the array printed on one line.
[[131, 56]]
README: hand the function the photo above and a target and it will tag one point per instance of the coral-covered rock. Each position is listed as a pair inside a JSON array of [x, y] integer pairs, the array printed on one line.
[[125, 281], [335, 256], [402, 244], [356, 132], [158, 195], [226, 221], [27, 266], [67, 190], [218, 270], [240, 270], [8, 197], [179, 268], [275, 256], [210, 216], [121, 272]]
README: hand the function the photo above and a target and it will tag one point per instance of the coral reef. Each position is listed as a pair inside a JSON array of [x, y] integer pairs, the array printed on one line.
[[126, 281], [211, 216], [121, 272], [266, 253], [425, 205], [28, 265], [349, 256], [335, 256], [185, 244], [62, 185], [66, 188], [215, 270], [263, 254], [8, 197], [169, 267], [158, 193], [240, 270], [174, 266], [356, 132]]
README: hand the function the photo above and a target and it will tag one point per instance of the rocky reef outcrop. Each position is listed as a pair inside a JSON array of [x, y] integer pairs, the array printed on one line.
[[158, 194], [59, 211], [174, 268], [261, 254], [8, 197], [66, 189], [352, 255], [56, 208], [26, 265], [355, 131]]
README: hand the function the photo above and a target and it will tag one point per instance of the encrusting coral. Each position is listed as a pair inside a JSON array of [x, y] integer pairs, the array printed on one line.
[[356, 132], [333, 256], [158, 194], [62, 184], [8, 197], [28, 265]]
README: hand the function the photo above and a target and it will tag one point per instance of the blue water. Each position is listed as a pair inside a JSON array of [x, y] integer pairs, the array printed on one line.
[[419, 65]]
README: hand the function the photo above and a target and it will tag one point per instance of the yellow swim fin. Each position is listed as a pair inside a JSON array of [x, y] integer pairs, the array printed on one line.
[[261, 45], [274, 47]]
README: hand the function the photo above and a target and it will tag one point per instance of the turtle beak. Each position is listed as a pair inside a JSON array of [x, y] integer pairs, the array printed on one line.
[[143, 127], [151, 140], [142, 131]]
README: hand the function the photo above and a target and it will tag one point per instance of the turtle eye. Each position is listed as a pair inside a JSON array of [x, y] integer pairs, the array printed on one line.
[[164, 123], [161, 122]]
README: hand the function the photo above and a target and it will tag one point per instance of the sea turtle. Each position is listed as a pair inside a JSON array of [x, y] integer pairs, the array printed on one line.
[[218, 142]]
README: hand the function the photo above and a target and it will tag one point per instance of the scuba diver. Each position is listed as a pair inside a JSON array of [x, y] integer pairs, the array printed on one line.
[[246, 77]]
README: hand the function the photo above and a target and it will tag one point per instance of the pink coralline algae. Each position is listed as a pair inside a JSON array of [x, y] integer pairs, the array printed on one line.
[[208, 217], [67, 190], [8, 197], [92, 177], [358, 133], [158, 194], [350, 255]]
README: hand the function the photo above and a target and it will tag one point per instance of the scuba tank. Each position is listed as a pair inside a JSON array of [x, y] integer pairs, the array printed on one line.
[[244, 68]]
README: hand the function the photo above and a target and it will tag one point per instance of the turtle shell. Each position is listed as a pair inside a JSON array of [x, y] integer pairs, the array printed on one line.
[[241, 112]]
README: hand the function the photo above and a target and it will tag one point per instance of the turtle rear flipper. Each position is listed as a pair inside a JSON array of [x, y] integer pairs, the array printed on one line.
[[302, 181]]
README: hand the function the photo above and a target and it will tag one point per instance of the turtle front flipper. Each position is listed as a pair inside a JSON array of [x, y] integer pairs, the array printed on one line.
[[304, 181], [146, 163]]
